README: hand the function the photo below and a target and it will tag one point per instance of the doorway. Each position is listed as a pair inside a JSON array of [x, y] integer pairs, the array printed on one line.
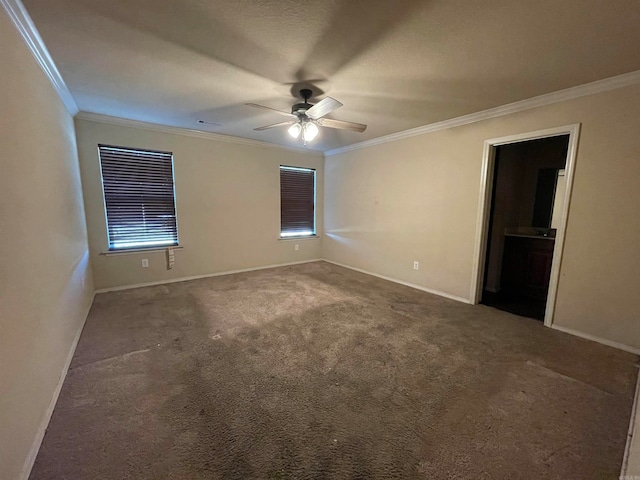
[[526, 187]]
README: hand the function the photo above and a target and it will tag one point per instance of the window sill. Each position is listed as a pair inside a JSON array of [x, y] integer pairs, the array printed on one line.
[[302, 237], [133, 251]]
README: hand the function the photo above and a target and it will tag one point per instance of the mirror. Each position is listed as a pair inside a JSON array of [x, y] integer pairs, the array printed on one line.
[[545, 193], [549, 199]]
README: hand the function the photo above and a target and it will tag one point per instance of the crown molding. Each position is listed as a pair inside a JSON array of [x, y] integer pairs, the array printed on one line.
[[155, 127], [22, 21], [612, 83]]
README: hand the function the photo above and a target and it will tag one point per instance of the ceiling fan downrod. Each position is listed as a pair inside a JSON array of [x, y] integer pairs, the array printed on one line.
[[306, 93]]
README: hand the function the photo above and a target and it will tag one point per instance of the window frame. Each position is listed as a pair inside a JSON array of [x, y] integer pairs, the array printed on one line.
[[314, 230], [133, 249]]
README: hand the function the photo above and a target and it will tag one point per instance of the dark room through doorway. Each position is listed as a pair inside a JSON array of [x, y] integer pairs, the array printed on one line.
[[528, 192]]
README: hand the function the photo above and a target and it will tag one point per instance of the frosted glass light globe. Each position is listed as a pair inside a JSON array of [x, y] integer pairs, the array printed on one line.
[[294, 130], [310, 131]]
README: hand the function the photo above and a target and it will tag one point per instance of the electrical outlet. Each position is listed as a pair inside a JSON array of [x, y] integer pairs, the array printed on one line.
[[416, 265], [297, 247], [145, 262]]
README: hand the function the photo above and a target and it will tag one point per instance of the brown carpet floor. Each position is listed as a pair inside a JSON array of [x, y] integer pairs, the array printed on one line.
[[318, 372]]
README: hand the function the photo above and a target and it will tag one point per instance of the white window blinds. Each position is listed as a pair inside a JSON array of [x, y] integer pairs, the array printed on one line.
[[139, 197], [297, 201]]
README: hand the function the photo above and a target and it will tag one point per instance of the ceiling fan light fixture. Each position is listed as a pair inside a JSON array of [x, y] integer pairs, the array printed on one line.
[[310, 131], [294, 130], [306, 119]]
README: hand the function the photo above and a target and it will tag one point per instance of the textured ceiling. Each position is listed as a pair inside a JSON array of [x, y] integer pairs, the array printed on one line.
[[394, 64]]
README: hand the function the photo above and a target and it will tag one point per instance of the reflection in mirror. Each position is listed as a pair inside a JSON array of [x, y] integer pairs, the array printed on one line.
[[558, 202], [545, 193]]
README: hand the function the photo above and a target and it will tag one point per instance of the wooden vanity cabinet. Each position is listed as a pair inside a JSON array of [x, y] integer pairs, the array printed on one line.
[[526, 266]]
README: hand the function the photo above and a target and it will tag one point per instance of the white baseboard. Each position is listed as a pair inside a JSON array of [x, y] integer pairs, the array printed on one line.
[[401, 282], [624, 473], [196, 277], [609, 343], [229, 272], [37, 441]]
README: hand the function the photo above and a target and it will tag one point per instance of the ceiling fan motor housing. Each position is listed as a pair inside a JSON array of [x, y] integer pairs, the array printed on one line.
[[300, 108]]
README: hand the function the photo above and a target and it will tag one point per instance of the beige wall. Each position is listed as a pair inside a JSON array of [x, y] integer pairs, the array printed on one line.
[[227, 201], [45, 280], [417, 199]]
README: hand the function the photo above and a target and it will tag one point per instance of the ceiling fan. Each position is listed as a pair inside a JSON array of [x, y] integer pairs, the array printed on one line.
[[305, 117]]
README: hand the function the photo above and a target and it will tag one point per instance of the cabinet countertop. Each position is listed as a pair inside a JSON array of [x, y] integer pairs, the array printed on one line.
[[523, 235]]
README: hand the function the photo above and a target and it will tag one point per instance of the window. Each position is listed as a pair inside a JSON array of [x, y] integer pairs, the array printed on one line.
[[297, 202], [139, 197]]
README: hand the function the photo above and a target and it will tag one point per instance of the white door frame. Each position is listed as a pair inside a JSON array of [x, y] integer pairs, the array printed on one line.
[[484, 209]]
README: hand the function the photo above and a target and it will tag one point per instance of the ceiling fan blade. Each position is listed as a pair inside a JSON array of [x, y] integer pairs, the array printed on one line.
[[281, 124], [323, 107], [355, 127], [286, 114]]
